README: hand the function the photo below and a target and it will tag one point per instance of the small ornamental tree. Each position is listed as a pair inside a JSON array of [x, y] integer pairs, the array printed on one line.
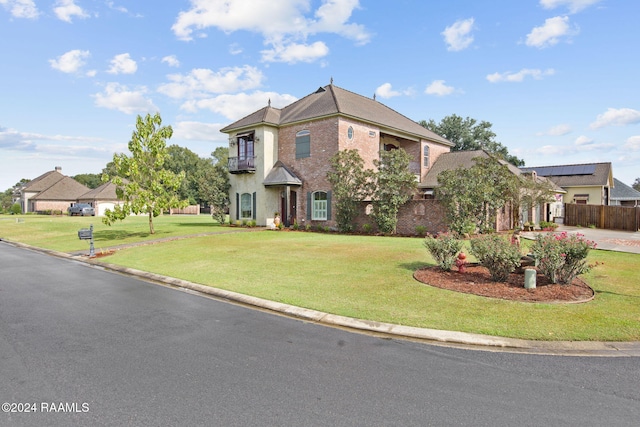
[[394, 185], [349, 181], [214, 185], [443, 248], [143, 184]]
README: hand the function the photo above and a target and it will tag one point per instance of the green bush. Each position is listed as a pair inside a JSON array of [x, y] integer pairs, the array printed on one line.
[[562, 257], [421, 230], [498, 255], [16, 209], [367, 228], [548, 226], [444, 248]]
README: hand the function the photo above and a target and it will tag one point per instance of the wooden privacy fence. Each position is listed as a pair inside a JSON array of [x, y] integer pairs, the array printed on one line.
[[609, 217]]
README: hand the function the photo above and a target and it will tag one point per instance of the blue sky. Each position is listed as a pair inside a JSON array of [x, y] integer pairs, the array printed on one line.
[[558, 79]]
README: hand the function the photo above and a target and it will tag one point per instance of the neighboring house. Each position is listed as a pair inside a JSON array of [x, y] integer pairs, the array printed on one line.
[[101, 198], [624, 195], [589, 183], [51, 191], [279, 158]]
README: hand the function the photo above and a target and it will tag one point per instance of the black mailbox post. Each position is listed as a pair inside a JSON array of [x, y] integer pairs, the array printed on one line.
[[87, 234]]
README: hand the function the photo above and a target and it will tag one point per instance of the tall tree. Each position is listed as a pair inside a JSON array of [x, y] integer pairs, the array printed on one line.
[[213, 185], [467, 134], [143, 183], [393, 186], [472, 196], [182, 159], [349, 181], [636, 184], [91, 180]]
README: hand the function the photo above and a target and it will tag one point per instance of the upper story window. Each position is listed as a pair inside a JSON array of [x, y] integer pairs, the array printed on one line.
[[303, 144], [245, 146], [350, 133], [426, 156]]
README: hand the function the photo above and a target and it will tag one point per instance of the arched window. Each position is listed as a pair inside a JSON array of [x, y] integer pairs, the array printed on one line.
[[426, 156], [319, 206], [246, 206], [303, 144]]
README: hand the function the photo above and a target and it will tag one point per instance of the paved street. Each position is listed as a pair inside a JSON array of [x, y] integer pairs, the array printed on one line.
[[114, 350]]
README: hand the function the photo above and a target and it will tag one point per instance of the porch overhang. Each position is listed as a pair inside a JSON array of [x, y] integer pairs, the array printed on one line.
[[280, 175]]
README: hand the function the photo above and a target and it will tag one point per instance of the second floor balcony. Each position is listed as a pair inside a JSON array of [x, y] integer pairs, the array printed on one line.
[[242, 164]]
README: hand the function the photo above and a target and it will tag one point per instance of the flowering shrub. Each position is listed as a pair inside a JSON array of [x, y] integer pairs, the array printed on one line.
[[548, 226], [443, 249], [561, 257], [498, 255]]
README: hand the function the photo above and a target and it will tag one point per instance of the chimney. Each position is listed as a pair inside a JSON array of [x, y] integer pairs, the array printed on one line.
[[58, 169]]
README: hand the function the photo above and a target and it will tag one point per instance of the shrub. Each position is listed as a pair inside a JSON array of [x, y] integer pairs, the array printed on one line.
[[367, 228], [421, 230], [562, 257], [295, 226], [498, 255], [548, 226], [443, 249], [307, 227], [16, 209]]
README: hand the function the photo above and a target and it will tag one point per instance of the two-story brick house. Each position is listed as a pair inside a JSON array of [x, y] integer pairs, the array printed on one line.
[[279, 158]]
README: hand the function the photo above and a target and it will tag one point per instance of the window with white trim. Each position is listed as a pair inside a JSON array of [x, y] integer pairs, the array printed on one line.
[[319, 206], [425, 156]]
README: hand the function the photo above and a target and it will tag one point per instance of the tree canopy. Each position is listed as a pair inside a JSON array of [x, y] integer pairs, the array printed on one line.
[[213, 184], [469, 134], [143, 183], [636, 184]]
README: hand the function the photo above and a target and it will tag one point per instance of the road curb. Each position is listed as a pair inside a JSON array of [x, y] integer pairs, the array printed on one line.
[[433, 336]]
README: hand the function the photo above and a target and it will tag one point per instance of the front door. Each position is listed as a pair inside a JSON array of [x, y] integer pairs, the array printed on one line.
[[288, 204]]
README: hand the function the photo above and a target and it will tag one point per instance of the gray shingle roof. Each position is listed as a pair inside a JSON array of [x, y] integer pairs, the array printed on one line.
[[622, 191], [333, 100], [106, 191], [280, 174], [63, 190], [43, 182], [450, 161], [598, 175]]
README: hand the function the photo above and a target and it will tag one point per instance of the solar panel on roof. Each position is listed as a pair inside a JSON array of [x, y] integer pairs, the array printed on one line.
[[566, 170]]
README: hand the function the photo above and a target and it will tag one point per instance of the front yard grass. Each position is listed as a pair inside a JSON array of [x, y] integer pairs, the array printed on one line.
[[365, 277]]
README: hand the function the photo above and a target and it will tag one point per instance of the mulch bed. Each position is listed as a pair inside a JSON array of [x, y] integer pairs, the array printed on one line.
[[477, 280]]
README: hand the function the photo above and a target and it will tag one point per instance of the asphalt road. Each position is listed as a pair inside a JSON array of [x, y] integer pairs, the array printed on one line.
[[83, 346]]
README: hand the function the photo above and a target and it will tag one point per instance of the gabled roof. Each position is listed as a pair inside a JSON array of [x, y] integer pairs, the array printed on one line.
[[454, 160], [622, 191], [280, 174], [577, 175], [106, 191], [43, 182], [63, 190], [332, 100]]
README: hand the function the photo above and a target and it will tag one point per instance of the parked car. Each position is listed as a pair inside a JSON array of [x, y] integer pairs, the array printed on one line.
[[83, 209]]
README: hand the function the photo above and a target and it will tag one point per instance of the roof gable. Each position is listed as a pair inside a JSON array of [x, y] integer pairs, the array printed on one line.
[[65, 189], [43, 182], [622, 191]]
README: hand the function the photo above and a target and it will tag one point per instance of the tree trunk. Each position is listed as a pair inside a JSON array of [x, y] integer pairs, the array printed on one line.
[[151, 230]]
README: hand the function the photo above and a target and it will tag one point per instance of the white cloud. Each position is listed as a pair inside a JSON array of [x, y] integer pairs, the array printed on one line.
[[171, 60], [295, 52], [235, 49], [550, 33], [385, 91], [238, 105], [616, 117], [70, 62], [574, 6], [438, 88], [281, 23], [201, 82], [25, 141], [67, 9], [520, 75], [583, 140], [122, 64], [633, 143], [21, 8], [198, 131], [118, 97], [552, 150], [558, 130], [457, 36]]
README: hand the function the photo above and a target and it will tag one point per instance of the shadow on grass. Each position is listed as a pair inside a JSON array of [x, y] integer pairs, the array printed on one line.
[[417, 265], [198, 224], [106, 235], [617, 294]]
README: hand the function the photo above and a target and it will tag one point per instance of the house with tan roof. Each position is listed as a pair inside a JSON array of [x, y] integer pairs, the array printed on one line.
[[51, 191], [279, 157], [101, 198]]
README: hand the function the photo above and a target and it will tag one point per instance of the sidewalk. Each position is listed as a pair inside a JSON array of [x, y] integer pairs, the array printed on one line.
[[608, 240]]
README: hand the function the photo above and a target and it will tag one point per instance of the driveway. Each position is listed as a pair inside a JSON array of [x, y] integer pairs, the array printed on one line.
[[609, 240]]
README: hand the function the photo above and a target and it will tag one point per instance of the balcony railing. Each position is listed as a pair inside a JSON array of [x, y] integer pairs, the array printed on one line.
[[242, 164]]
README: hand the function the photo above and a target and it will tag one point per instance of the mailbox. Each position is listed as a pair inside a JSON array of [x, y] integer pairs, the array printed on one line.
[[84, 234]]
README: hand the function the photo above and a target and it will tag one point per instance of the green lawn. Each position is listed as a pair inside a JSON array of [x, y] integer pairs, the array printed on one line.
[[365, 277]]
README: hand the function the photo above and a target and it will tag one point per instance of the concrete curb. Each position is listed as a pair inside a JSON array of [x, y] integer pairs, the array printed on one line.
[[387, 330]]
